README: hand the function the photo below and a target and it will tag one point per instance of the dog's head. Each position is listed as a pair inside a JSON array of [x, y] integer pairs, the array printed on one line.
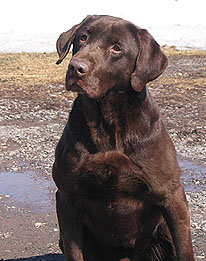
[[109, 54]]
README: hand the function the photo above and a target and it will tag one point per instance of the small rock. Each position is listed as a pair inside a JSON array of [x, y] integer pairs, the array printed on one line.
[[39, 224]]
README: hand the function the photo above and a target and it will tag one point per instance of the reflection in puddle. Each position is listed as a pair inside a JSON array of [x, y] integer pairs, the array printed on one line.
[[193, 175], [28, 189]]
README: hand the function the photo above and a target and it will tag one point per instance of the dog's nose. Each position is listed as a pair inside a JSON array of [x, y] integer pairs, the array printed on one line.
[[80, 67]]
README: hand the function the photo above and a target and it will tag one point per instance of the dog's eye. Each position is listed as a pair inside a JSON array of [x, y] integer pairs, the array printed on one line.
[[83, 38], [116, 48]]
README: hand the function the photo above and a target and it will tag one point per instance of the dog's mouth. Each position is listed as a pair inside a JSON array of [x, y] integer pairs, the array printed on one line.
[[84, 85], [75, 85], [77, 88]]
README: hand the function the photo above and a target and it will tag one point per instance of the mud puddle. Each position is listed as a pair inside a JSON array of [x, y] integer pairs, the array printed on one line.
[[193, 175], [37, 193], [27, 190]]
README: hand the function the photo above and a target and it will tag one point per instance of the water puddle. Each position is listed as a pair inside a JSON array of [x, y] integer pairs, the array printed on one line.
[[27, 189], [193, 175], [37, 193]]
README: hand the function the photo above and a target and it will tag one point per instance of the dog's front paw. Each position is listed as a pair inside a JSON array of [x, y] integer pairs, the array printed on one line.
[[96, 169]]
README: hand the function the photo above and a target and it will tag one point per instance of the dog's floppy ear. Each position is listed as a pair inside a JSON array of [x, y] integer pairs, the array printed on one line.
[[66, 39], [64, 43], [150, 63]]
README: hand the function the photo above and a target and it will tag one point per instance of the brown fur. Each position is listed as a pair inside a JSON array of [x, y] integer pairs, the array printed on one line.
[[119, 195]]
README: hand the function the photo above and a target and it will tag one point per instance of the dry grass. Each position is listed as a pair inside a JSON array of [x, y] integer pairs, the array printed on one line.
[[31, 69], [194, 78], [173, 51]]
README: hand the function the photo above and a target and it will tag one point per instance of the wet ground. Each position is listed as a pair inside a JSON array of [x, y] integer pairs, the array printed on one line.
[[31, 122]]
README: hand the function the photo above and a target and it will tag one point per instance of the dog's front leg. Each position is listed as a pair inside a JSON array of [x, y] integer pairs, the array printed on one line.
[[70, 231], [177, 216], [99, 168]]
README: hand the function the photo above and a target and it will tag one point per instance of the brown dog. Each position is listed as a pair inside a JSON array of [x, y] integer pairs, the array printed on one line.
[[119, 195]]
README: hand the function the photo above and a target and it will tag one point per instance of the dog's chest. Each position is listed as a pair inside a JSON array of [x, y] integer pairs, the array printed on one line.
[[109, 134], [106, 120], [107, 138]]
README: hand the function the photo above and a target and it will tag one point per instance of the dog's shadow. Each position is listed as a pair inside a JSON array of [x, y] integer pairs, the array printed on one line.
[[48, 257]]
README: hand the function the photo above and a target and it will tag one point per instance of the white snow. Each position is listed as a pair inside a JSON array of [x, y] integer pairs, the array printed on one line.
[[34, 25]]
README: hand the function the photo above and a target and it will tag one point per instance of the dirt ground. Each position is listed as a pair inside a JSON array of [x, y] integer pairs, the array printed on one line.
[[34, 107]]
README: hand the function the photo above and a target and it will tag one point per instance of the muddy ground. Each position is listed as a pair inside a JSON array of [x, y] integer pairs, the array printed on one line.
[[34, 107]]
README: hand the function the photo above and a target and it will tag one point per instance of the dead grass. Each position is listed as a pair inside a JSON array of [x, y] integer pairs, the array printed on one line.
[[32, 69], [183, 82], [29, 69], [175, 52]]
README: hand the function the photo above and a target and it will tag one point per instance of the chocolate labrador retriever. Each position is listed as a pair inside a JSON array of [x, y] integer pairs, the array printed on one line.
[[119, 195]]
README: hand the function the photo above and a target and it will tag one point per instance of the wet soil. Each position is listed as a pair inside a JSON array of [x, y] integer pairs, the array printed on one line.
[[32, 118]]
